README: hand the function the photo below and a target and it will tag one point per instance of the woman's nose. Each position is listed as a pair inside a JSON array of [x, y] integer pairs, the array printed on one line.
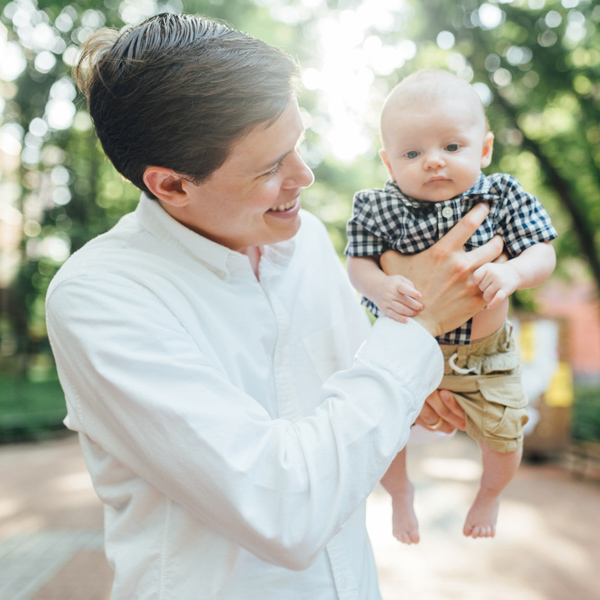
[[301, 176]]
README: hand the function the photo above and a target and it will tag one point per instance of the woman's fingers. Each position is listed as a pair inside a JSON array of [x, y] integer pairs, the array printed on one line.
[[441, 404], [460, 234], [455, 414], [489, 252]]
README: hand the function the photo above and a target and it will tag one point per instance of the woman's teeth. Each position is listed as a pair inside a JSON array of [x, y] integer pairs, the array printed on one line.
[[284, 207]]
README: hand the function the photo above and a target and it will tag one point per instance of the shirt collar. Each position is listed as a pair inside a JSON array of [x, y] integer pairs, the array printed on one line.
[[481, 190], [216, 257]]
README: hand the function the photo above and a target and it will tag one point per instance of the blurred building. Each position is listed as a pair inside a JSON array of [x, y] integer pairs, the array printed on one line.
[[578, 305]]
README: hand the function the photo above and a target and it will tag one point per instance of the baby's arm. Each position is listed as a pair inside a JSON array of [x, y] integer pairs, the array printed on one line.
[[531, 268], [394, 295]]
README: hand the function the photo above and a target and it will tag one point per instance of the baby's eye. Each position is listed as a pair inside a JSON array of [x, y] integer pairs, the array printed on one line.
[[412, 154], [452, 147]]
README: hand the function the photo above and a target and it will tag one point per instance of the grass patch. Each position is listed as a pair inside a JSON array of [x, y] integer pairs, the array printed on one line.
[[30, 410], [586, 414]]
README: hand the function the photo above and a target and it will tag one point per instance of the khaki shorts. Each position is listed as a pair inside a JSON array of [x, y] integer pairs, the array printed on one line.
[[485, 377]]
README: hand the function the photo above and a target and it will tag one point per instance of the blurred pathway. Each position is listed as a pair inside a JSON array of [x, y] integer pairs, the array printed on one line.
[[51, 541], [547, 547]]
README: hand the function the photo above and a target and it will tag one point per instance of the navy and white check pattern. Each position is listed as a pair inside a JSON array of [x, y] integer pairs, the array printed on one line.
[[387, 219]]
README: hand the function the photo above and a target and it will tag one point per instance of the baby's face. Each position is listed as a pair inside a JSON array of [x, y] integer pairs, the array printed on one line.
[[434, 151]]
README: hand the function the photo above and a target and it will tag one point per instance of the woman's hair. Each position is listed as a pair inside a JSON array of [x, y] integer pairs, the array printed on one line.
[[177, 91]]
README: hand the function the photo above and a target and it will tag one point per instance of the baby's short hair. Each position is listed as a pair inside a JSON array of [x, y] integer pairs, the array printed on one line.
[[428, 84]]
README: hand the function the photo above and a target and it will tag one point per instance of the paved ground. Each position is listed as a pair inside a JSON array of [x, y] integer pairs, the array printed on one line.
[[547, 548]]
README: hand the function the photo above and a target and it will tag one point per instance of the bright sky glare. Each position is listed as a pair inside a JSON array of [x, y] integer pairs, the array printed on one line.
[[351, 60], [352, 57]]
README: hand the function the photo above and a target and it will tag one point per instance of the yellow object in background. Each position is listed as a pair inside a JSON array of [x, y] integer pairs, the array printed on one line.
[[527, 339], [560, 391]]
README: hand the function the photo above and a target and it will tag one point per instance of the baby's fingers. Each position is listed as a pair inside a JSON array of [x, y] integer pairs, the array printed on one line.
[[399, 311], [404, 308], [478, 276], [407, 288], [408, 301], [499, 297], [392, 314]]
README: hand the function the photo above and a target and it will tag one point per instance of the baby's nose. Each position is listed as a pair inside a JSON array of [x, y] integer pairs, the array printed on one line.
[[434, 160]]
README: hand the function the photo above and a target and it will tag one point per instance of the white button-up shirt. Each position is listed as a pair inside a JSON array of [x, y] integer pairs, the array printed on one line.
[[229, 431]]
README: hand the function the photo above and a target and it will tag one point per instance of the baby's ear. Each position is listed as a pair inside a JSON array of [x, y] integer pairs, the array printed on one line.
[[387, 163], [488, 148]]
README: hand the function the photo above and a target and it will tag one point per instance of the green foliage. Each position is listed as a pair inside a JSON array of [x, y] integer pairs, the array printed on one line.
[[30, 408], [586, 414], [538, 63]]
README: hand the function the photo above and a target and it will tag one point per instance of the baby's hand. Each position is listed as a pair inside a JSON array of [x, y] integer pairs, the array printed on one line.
[[497, 281], [398, 298]]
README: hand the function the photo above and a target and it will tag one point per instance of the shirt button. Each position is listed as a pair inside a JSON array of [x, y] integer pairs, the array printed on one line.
[[447, 212]]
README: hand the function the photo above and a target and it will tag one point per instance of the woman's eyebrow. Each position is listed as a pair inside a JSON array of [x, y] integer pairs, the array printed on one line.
[[271, 164]]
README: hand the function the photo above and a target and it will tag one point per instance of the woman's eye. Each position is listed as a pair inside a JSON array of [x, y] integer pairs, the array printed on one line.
[[274, 170]]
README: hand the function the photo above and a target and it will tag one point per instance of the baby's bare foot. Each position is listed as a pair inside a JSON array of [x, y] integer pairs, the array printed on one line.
[[481, 520], [404, 519]]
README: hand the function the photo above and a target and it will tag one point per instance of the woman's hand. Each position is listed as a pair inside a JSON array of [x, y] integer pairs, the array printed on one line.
[[441, 412], [444, 274]]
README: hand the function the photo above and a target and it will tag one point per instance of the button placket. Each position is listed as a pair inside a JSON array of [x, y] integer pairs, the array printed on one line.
[[346, 585], [287, 406], [447, 212]]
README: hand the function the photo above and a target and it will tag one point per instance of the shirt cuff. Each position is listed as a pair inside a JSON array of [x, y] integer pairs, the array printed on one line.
[[408, 351]]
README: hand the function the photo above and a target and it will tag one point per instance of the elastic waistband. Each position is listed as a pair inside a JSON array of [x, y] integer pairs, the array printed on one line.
[[495, 341]]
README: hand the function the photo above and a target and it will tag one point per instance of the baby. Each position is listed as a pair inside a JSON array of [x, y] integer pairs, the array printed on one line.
[[436, 140]]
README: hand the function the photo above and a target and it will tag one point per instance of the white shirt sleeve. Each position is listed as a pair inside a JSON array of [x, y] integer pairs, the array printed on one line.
[[172, 416]]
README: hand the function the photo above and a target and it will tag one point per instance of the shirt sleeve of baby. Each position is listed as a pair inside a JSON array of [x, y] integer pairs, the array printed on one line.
[[362, 230], [524, 221]]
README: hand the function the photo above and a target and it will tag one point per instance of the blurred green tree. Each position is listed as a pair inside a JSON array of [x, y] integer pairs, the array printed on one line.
[[540, 62], [535, 62], [57, 190]]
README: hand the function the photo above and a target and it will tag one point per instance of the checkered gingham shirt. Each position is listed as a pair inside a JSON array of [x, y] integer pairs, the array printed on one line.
[[389, 220]]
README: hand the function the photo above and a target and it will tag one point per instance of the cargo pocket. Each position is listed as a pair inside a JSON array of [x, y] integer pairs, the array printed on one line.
[[504, 412]]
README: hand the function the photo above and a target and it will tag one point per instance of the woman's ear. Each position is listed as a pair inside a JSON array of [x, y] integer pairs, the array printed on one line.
[[167, 185], [488, 148]]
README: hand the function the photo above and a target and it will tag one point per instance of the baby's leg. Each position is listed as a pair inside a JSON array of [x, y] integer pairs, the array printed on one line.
[[402, 491], [498, 470]]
